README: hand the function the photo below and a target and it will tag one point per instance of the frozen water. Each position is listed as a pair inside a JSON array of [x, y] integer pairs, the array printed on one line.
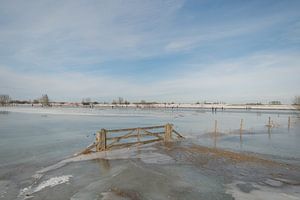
[[37, 145]]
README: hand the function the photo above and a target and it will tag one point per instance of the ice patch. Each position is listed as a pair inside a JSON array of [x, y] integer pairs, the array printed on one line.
[[156, 158], [111, 195], [3, 188], [263, 192], [130, 153], [76, 112], [28, 191], [273, 183]]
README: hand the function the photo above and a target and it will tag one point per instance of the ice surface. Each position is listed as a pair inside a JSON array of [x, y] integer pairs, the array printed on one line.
[[46, 140], [263, 192]]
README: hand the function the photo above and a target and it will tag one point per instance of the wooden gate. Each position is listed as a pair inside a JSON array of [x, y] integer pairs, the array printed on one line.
[[107, 139]]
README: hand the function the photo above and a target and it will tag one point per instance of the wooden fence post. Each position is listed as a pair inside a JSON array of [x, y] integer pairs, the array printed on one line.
[[138, 135], [215, 133], [101, 140], [269, 128], [168, 132], [216, 127], [241, 131], [98, 139], [241, 126]]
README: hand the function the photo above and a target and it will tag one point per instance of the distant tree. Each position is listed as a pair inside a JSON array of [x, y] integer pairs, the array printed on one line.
[[114, 102], [86, 100], [120, 100], [296, 100], [275, 103], [35, 101], [20, 102], [4, 99], [143, 102], [126, 102], [45, 100]]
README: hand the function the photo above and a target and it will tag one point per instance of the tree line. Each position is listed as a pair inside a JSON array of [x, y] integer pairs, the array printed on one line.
[[5, 99], [44, 100]]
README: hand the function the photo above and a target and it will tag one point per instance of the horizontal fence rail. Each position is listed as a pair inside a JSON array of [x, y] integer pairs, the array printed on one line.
[[107, 139]]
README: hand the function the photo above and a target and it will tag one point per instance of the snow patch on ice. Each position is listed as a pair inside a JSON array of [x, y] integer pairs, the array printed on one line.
[[28, 191]]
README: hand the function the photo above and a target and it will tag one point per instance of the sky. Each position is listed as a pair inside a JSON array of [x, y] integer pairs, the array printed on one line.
[[179, 51]]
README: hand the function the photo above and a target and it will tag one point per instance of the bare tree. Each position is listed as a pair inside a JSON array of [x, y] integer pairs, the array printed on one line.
[[45, 100], [297, 100], [120, 100], [114, 102], [4, 99], [35, 101], [86, 101]]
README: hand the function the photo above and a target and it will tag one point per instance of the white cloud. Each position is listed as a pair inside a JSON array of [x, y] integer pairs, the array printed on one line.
[[267, 77], [58, 36]]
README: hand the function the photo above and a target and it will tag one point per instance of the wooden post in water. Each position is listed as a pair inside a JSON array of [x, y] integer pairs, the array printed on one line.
[[241, 131], [241, 126], [138, 135], [289, 123], [269, 128], [98, 138], [216, 127], [101, 140], [215, 133], [168, 132]]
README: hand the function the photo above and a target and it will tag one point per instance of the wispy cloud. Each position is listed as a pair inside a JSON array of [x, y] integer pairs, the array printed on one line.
[[266, 77], [78, 33]]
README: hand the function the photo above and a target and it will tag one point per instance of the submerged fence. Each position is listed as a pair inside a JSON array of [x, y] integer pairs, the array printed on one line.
[[107, 139], [216, 133]]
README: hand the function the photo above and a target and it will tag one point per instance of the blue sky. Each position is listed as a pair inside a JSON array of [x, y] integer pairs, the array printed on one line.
[[182, 51]]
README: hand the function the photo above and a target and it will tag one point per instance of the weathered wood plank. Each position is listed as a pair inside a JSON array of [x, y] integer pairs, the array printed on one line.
[[117, 139], [178, 134], [87, 149], [132, 143], [154, 134], [129, 129], [122, 137], [98, 139], [147, 133], [101, 140], [168, 132]]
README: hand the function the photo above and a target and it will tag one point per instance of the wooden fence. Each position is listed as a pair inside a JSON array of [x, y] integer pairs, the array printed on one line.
[[107, 139]]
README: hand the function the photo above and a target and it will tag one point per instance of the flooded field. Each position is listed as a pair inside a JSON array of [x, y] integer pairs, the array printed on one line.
[[219, 159]]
